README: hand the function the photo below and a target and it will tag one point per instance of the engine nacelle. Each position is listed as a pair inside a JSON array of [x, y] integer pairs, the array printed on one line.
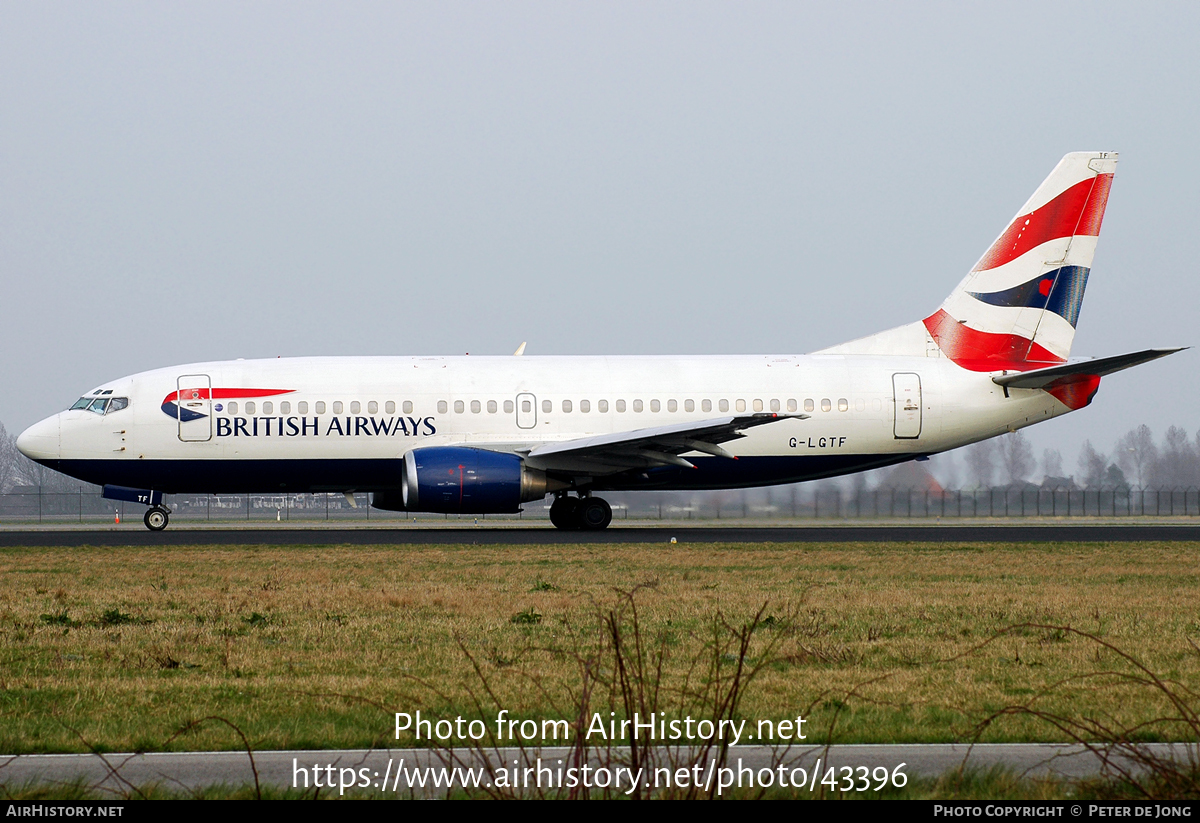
[[457, 480]]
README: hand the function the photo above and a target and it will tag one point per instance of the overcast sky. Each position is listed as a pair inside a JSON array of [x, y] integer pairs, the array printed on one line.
[[196, 181]]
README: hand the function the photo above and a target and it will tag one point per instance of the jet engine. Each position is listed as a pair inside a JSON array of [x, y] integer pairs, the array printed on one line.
[[459, 480]]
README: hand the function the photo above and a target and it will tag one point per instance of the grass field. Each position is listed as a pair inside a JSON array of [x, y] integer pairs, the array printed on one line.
[[123, 649]]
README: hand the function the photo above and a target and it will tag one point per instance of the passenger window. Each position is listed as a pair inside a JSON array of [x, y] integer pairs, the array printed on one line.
[[508, 406], [547, 406], [689, 405], [442, 407], [476, 408], [117, 404], [372, 407], [566, 405], [843, 404], [302, 407], [602, 406], [791, 404], [320, 407], [825, 404], [337, 406], [637, 405], [621, 406], [355, 407], [654, 406], [585, 406], [723, 405], [408, 407], [389, 407], [285, 407], [808, 404], [740, 405], [459, 407], [268, 407], [705, 405], [758, 405], [492, 407], [250, 406], [232, 407], [672, 406], [774, 405]]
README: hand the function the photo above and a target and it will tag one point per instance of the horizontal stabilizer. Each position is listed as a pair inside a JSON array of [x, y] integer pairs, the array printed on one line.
[[1044, 378]]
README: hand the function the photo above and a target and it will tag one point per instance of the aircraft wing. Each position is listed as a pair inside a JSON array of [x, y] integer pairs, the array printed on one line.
[[1042, 378], [644, 448]]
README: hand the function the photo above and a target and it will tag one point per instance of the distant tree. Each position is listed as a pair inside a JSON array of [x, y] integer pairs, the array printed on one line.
[[10, 466], [858, 487], [30, 473], [18, 470], [980, 459], [1016, 457], [1052, 465], [945, 468], [1137, 454], [1093, 466], [1178, 463]]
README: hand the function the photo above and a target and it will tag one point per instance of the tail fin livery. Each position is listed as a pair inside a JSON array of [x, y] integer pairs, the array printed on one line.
[[1018, 306]]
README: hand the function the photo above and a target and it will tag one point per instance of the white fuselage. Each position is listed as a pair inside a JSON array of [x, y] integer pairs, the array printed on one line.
[[343, 423]]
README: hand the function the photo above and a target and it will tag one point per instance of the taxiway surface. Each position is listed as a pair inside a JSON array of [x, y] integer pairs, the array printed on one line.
[[272, 535]]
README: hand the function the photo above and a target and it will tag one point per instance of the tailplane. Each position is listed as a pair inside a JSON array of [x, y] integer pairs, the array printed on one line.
[[1018, 306]]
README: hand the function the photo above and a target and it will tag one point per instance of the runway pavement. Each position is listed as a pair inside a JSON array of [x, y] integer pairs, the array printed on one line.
[[307, 535]]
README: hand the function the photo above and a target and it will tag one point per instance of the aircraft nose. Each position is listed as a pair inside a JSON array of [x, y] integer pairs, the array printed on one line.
[[41, 440]]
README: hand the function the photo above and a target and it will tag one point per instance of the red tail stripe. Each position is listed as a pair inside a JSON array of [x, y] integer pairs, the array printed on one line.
[[224, 394], [986, 351], [1078, 211]]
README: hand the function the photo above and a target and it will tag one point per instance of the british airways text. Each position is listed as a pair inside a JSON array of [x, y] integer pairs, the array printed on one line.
[[330, 427]]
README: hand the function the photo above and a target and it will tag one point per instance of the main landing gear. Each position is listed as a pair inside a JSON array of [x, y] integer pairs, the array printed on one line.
[[580, 513], [157, 518]]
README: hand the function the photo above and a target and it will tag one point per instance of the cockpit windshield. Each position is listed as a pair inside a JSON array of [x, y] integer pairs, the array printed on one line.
[[102, 404]]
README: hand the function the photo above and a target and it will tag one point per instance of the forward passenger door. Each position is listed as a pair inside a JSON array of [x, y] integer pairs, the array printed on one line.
[[193, 408]]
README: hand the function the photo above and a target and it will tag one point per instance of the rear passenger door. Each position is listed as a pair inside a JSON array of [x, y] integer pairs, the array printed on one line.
[[907, 393]]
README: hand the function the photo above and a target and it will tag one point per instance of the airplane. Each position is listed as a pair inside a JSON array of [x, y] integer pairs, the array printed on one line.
[[482, 435]]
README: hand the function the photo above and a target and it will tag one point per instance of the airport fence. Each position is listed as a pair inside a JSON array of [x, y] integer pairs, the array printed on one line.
[[86, 505]]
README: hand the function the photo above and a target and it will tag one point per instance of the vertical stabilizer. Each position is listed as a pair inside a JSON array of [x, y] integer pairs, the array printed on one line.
[[1018, 307]]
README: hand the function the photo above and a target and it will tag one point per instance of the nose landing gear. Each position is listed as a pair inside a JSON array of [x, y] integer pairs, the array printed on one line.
[[580, 513], [157, 518]]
